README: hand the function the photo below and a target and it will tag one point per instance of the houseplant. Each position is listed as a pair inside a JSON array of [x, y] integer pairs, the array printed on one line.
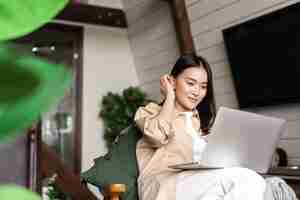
[[117, 111]]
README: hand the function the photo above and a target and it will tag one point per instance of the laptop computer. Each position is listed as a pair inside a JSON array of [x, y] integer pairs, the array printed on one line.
[[239, 138]]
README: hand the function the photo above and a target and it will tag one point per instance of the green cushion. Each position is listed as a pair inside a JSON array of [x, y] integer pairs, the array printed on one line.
[[119, 165]]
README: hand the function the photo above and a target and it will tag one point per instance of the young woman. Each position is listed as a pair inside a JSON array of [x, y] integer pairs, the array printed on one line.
[[174, 132]]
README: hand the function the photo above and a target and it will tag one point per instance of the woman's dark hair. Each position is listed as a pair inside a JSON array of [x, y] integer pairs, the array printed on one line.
[[283, 161], [206, 108]]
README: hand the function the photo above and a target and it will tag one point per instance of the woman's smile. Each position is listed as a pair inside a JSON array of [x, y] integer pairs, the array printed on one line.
[[193, 100]]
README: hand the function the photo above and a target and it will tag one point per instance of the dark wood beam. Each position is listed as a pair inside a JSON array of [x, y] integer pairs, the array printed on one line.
[[91, 14], [182, 26]]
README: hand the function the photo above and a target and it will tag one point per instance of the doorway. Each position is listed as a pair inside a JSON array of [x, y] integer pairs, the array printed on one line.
[[60, 128]]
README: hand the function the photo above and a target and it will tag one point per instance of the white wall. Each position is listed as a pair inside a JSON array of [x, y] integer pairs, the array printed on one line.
[[153, 41], [107, 3], [108, 65], [208, 18]]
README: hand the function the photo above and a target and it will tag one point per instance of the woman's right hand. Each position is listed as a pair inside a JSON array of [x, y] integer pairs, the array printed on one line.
[[166, 88]]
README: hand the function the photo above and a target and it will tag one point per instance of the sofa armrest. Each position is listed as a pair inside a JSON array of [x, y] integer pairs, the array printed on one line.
[[113, 191]]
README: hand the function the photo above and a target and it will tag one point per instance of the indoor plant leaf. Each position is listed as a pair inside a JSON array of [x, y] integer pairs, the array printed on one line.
[[20, 18]]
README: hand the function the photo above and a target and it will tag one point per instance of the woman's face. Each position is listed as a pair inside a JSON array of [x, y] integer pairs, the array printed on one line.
[[190, 88]]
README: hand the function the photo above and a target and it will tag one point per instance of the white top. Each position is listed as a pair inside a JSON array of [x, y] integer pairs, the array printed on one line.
[[199, 142]]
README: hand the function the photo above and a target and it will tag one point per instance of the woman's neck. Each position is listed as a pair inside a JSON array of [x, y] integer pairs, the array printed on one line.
[[179, 108]]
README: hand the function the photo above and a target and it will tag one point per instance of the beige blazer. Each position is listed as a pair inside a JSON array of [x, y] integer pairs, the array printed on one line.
[[163, 143]]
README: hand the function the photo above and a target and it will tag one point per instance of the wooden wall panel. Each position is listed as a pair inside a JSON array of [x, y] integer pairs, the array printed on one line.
[[153, 41]]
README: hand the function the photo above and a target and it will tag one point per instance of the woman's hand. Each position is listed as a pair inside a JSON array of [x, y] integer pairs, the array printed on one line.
[[168, 92], [166, 87]]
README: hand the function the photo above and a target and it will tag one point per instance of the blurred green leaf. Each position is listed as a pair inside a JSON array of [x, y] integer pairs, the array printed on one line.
[[18, 19], [14, 192]]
